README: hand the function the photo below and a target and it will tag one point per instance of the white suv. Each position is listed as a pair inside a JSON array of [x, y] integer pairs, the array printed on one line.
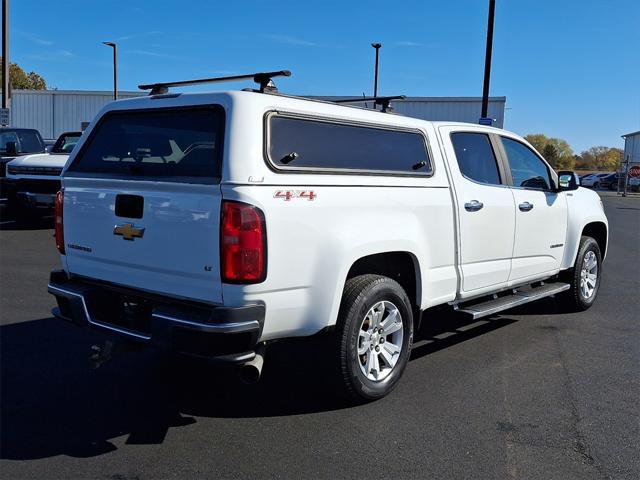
[[215, 223]]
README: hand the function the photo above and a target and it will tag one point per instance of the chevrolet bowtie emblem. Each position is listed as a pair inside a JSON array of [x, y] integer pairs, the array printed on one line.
[[128, 231]]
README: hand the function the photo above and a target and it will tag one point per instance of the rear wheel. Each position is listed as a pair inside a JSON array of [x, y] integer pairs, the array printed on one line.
[[375, 335], [596, 185], [584, 277]]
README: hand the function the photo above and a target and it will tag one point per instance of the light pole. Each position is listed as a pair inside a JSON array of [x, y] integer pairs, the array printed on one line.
[[375, 78], [115, 68], [487, 60], [5, 53]]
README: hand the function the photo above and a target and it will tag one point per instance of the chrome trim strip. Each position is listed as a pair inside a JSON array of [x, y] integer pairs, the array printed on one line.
[[220, 327], [33, 195]]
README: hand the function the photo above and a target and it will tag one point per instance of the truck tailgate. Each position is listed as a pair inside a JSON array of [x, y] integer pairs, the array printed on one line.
[[173, 248]]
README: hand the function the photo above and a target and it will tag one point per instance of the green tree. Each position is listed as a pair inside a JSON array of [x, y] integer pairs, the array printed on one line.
[[20, 79], [555, 150], [550, 153], [601, 158]]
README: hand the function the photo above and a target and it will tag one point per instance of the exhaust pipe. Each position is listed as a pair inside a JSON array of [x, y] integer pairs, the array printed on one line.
[[251, 371]]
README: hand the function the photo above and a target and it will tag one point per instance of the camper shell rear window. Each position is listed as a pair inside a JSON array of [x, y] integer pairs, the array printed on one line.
[[159, 144]]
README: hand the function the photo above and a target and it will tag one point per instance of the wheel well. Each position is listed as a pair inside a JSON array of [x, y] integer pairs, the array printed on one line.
[[597, 231], [400, 266]]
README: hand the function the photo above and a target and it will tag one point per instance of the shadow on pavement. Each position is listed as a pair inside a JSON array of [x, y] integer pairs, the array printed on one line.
[[54, 404]]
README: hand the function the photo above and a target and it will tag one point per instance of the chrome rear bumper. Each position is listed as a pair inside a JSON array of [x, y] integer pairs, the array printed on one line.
[[214, 332]]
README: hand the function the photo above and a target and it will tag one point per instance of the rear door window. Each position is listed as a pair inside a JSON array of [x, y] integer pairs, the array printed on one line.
[[476, 158], [310, 144], [169, 145]]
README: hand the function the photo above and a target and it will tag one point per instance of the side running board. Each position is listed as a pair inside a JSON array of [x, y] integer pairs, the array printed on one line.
[[519, 296]]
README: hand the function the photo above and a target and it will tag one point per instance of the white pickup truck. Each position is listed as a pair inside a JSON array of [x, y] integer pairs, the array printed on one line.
[[33, 180], [212, 224]]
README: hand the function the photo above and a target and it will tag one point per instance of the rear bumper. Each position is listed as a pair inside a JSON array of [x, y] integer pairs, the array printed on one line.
[[227, 334], [38, 201], [32, 194]]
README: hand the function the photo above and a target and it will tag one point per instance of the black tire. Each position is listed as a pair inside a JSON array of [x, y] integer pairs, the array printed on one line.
[[573, 300], [596, 186], [360, 295]]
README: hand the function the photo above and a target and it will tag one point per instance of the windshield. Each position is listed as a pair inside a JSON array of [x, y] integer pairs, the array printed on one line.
[[179, 145], [66, 142], [27, 141]]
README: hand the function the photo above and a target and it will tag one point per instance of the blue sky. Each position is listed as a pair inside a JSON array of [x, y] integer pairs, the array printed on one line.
[[569, 68]]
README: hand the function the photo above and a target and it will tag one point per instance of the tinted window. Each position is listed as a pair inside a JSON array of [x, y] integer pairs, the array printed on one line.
[[27, 141], [66, 142], [527, 169], [475, 157], [301, 143], [164, 144]]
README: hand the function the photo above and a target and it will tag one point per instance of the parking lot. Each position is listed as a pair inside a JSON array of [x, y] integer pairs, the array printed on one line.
[[526, 394]]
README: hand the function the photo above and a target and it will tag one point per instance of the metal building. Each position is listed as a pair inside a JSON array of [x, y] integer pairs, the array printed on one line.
[[53, 112], [632, 147], [458, 109]]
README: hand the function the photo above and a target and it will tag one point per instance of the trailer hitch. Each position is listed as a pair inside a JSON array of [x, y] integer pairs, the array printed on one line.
[[102, 354]]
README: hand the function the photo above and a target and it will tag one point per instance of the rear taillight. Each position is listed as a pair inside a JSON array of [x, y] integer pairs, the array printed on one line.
[[243, 242], [58, 222]]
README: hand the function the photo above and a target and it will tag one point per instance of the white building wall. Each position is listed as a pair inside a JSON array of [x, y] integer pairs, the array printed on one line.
[[632, 147], [53, 112], [460, 109], [457, 109]]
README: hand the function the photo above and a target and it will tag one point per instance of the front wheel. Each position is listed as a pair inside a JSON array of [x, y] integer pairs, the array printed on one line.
[[375, 335], [584, 277]]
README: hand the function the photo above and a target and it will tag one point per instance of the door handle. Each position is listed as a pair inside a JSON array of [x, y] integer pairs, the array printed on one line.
[[525, 207], [473, 206]]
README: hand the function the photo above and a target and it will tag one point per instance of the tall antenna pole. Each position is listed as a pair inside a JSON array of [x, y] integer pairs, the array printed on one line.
[[375, 78], [487, 60]]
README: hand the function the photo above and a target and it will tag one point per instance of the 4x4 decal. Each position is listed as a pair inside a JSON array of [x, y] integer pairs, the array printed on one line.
[[287, 195]]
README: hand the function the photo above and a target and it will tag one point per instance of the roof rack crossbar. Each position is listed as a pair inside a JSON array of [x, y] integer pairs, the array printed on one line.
[[382, 101], [264, 79]]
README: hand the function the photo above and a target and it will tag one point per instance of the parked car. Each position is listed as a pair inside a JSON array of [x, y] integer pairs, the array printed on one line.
[[214, 224], [581, 177], [593, 180], [33, 180], [13, 143], [610, 181]]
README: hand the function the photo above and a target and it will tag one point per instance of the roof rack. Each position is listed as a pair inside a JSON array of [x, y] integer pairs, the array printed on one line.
[[264, 79], [383, 101]]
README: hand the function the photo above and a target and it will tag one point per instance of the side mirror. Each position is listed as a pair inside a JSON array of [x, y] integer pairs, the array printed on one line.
[[568, 180], [11, 148]]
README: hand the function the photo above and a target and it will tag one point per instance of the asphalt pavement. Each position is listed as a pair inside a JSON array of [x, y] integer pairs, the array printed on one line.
[[527, 394]]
